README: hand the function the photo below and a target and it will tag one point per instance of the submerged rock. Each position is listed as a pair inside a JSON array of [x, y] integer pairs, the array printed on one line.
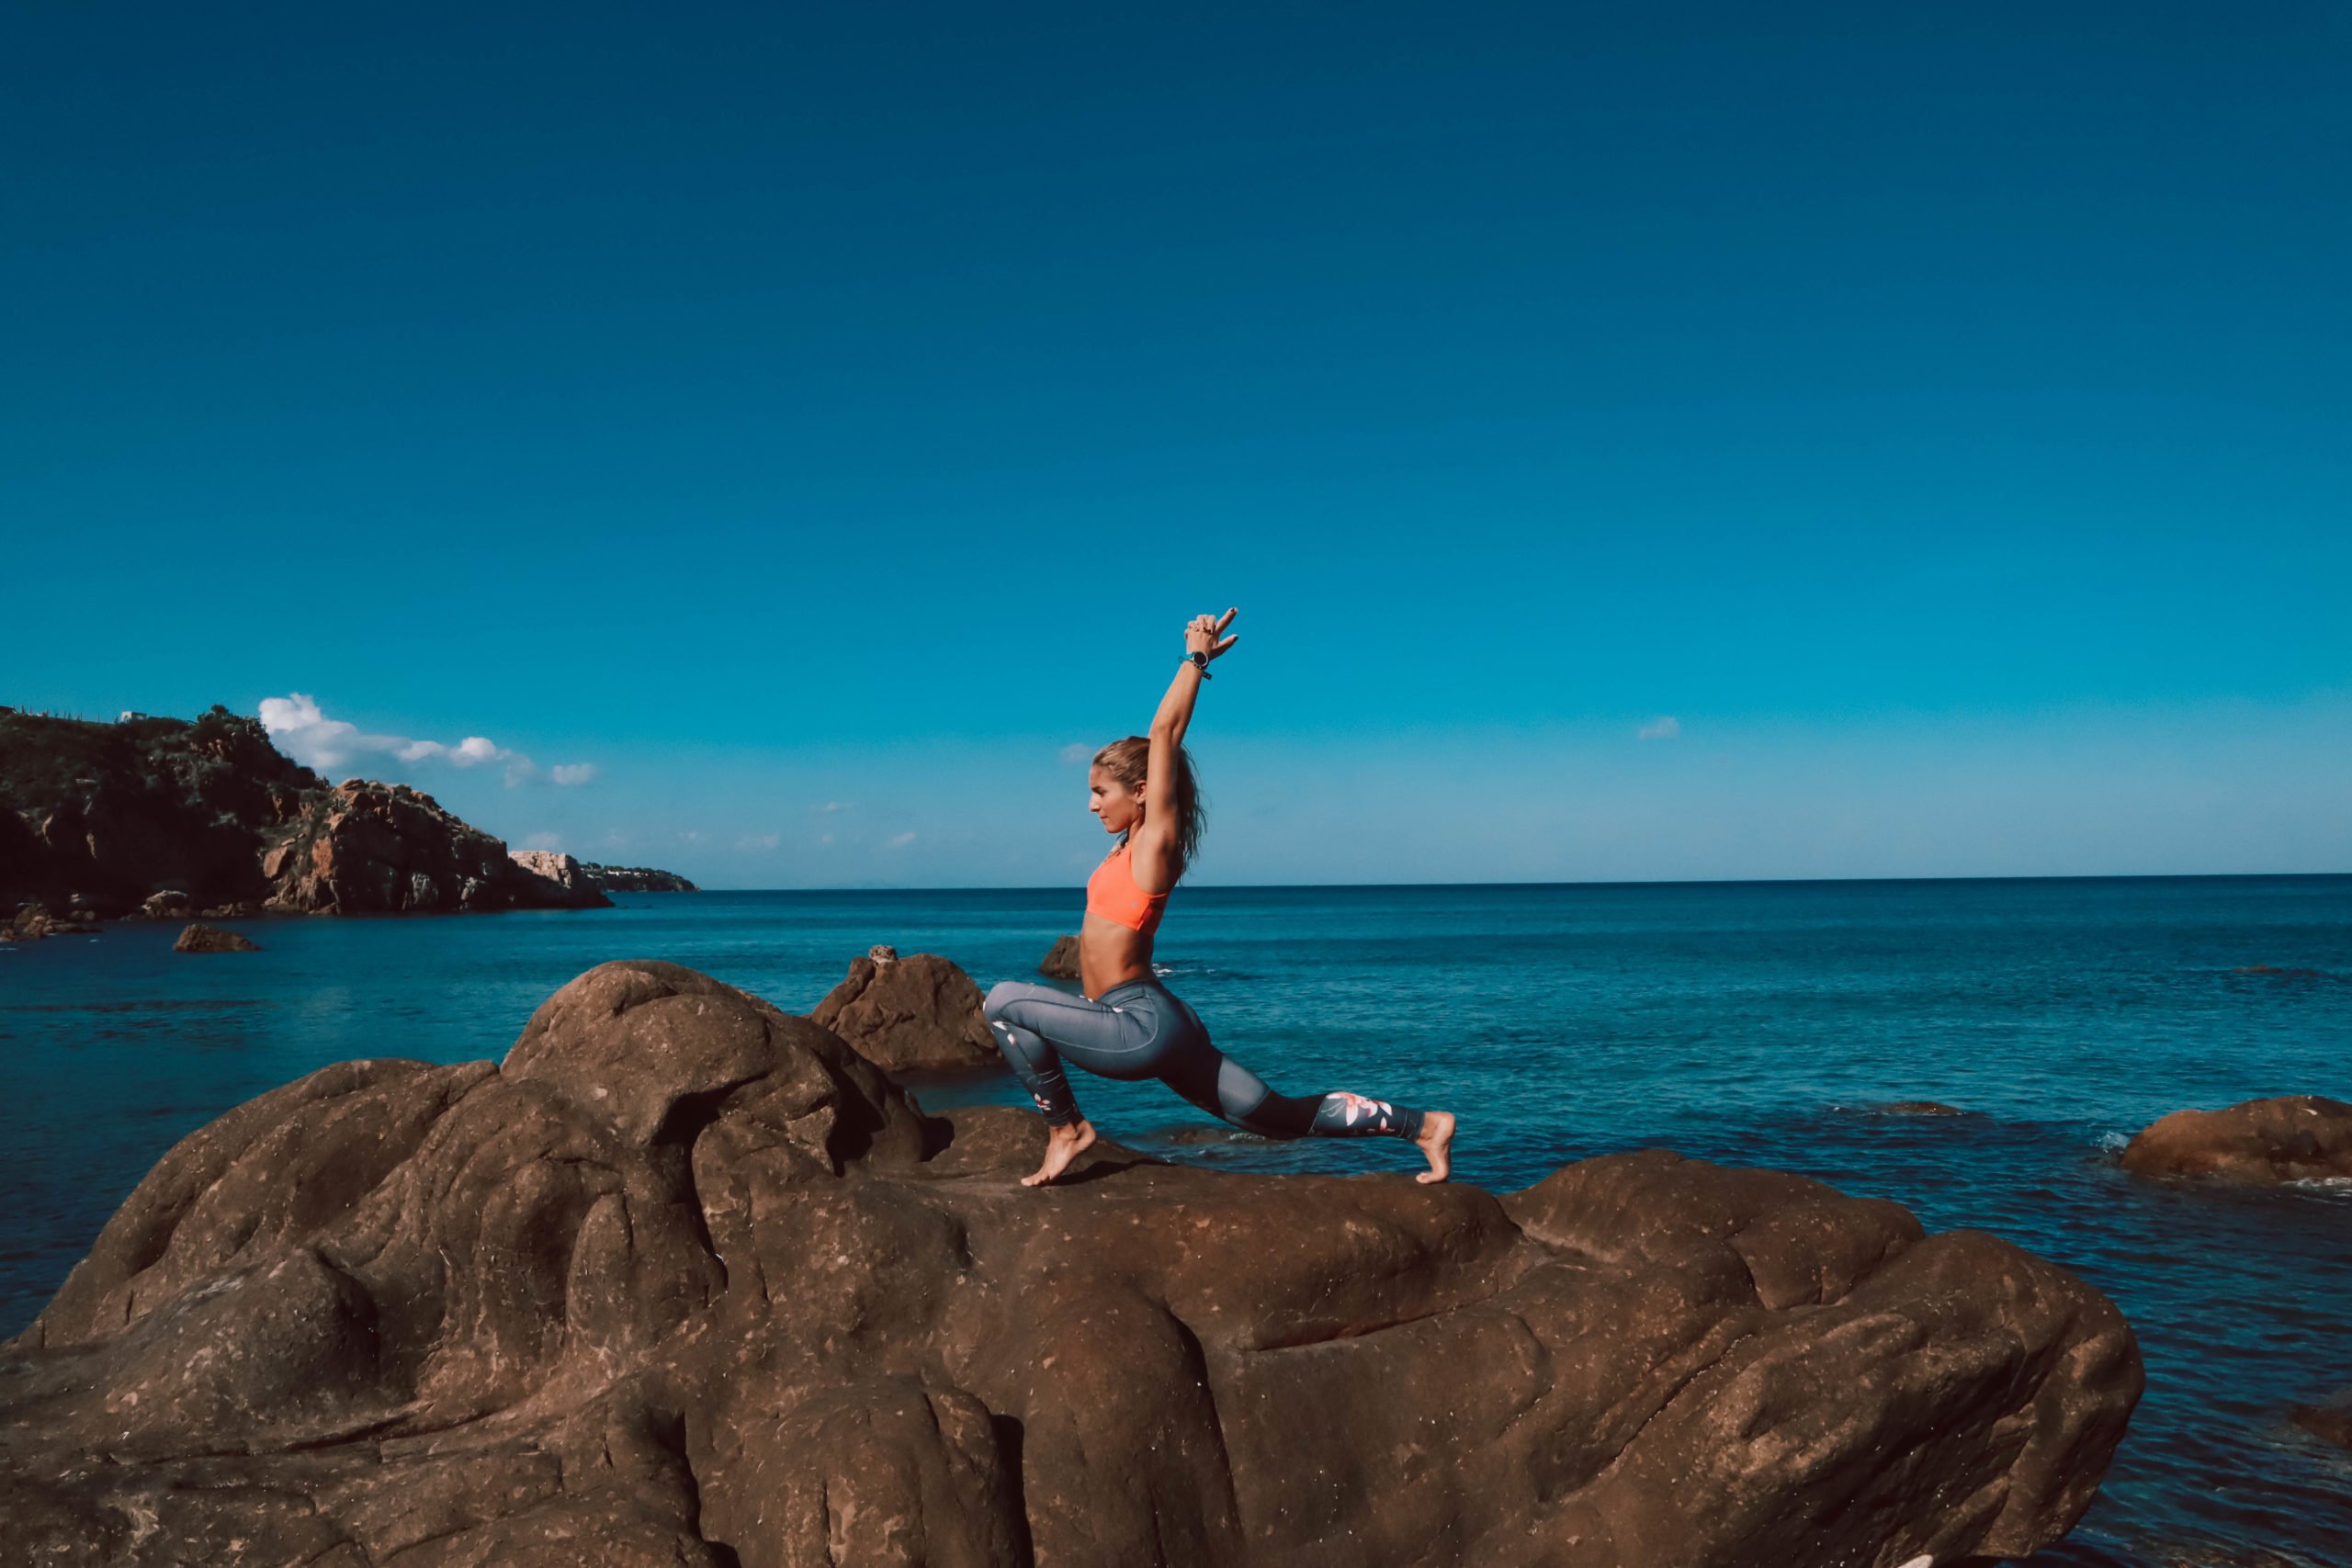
[[2296, 1137], [915, 1014], [1060, 962], [2329, 1423], [684, 1281], [201, 938]]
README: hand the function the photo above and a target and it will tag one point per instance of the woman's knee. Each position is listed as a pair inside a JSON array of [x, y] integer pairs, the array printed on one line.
[[1001, 994]]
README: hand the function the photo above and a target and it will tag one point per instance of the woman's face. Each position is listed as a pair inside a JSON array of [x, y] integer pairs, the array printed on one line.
[[1119, 806]]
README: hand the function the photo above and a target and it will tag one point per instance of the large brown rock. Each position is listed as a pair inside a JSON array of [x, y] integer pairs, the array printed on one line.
[[2296, 1137], [685, 1280], [915, 1014]]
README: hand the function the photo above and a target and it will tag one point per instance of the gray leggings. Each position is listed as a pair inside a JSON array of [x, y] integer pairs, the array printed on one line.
[[1141, 1031]]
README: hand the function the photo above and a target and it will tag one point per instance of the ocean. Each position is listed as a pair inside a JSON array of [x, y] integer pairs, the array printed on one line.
[[1765, 1024]]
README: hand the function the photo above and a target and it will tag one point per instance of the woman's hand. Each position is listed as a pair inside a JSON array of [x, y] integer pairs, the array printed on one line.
[[1205, 633]]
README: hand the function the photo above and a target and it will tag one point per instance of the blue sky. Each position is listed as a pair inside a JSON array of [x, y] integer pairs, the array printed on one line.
[[810, 423]]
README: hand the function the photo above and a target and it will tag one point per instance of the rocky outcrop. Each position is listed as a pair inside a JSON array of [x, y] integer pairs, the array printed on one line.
[[2296, 1137], [201, 938], [364, 848], [915, 1014], [113, 812], [637, 879], [31, 922], [684, 1281], [565, 882], [169, 905], [1060, 962]]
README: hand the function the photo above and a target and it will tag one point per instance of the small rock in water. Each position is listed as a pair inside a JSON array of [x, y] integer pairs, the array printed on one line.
[[201, 938], [2295, 1137], [1060, 962]]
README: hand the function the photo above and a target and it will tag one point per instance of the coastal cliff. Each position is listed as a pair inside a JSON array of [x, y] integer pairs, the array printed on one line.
[[637, 879], [106, 818], [684, 1279], [114, 812]]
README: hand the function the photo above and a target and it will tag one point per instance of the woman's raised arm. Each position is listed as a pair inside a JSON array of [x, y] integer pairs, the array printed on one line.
[[1155, 838], [1175, 714]]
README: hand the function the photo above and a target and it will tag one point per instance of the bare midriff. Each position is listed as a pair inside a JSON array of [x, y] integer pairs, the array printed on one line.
[[1110, 954]]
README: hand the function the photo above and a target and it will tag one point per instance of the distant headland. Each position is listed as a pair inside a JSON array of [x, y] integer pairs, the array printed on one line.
[[635, 879], [107, 820]]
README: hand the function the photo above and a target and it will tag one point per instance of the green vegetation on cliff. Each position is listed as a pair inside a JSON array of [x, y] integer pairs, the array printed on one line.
[[113, 812]]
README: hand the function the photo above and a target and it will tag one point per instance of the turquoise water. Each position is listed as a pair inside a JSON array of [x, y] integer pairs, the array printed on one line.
[[1752, 1023]]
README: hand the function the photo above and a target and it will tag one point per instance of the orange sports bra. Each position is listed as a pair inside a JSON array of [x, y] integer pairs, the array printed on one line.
[[1114, 896]]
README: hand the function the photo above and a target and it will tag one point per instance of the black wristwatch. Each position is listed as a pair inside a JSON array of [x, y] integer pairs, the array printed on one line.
[[1200, 661]]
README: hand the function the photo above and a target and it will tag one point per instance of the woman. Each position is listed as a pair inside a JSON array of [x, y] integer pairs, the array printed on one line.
[[1128, 1026]]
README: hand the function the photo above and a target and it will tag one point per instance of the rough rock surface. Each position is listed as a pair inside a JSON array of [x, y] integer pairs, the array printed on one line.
[[637, 879], [2296, 1137], [363, 848], [1060, 962], [915, 1014], [684, 1281], [567, 885], [201, 938]]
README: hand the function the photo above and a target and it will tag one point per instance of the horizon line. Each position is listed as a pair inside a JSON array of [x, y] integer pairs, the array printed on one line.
[[1646, 881]]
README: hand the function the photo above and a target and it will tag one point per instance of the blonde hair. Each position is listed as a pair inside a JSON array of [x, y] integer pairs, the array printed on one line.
[[1130, 761]]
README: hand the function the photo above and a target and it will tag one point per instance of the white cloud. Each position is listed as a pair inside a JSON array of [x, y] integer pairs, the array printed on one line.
[[1076, 752], [759, 841], [302, 730], [1666, 727], [828, 806], [901, 841], [544, 841]]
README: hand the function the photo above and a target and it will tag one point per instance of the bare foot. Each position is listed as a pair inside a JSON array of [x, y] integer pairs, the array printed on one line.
[[1437, 1142], [1064, 1144]]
